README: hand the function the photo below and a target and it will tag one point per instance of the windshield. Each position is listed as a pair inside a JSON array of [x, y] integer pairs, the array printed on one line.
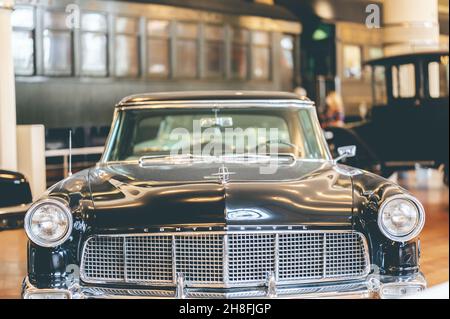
[[147, 133]]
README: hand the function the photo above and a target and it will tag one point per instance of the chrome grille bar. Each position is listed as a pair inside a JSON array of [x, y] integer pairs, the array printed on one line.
[[225, 259]]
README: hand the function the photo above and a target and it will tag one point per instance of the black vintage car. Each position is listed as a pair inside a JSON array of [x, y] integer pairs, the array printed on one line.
[[408, 123], [15, 199], [222, 195]]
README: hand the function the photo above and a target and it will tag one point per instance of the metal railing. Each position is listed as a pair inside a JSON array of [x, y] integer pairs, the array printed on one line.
[[65, 154]]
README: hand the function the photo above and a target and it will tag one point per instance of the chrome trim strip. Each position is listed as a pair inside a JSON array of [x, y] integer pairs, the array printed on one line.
[[325, 254], [125, 272], [174, 260], [277, 257], [225, 259], [239, 104], [224, 284], [228, 232], [349, 289]]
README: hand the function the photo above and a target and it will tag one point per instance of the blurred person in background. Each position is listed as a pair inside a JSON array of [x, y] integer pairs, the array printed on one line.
[[300, 92], [334, 114]]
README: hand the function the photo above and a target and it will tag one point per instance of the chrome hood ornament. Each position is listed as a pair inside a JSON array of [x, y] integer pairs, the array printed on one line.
[[223, 175]]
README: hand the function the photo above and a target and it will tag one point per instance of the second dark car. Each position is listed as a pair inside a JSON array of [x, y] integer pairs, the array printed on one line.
[[15, 199]]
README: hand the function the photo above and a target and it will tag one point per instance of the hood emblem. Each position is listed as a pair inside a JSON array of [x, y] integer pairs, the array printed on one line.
[[223, 175]]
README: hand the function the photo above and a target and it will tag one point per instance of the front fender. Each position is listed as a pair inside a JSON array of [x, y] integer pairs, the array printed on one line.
[[390, 257]]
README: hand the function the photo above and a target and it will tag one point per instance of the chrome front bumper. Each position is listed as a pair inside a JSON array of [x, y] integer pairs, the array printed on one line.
[[372, 287]]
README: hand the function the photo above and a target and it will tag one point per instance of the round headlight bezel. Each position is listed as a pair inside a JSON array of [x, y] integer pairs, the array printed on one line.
[[419, 226], [38, 240]]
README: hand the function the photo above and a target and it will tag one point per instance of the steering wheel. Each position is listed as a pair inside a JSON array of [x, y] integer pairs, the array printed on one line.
[[224, 148], [295, 147]]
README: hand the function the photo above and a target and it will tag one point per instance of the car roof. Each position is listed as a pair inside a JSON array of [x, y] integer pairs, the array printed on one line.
[[142, 99]]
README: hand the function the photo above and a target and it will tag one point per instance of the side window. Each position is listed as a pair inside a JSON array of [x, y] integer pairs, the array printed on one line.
[[126, 47], [57, 41], [311, 143], [186, 49], [23, 40], [287, 45], [239, 53], [261, 50], [93, 44], [214, 51], [352, 62], [404, 81], [379, 85], [158, 48], [438, 78]]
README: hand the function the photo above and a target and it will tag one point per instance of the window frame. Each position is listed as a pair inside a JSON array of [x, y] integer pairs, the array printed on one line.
[[268, 46], [197, 40], [70, 71], [361, 65], [426, 65], [168, 38], [135, 35], [417, 87], [104, 73], [206, 41], [241, 43], [31, 30], [293, 51]]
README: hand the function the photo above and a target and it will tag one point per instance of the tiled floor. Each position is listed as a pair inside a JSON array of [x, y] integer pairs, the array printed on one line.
[[434, 238]]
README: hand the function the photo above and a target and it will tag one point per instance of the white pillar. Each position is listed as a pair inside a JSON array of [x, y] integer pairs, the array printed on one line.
[[410, 26], [31, 156], [8, 144]]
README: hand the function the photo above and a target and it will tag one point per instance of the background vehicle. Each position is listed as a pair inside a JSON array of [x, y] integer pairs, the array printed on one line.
[[409, 120], [15, 199]]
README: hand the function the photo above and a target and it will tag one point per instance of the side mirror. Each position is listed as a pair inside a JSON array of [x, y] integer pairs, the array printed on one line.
[[345, 152]]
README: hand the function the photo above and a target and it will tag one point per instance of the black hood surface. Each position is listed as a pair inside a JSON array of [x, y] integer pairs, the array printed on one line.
[[129, 197]]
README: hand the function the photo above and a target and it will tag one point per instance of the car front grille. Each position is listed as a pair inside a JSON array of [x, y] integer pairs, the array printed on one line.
[[225, 259]]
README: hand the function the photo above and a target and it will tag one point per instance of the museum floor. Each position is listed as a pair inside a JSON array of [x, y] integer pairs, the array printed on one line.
[[425, 185]]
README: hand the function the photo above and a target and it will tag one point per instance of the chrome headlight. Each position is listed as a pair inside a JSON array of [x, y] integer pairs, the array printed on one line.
[[401, 217], [48, 223]]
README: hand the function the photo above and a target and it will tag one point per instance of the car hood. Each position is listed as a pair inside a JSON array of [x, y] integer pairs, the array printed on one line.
[[129, 197]]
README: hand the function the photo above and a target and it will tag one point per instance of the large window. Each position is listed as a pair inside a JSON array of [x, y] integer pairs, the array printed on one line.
[[239, 53], [261, 55], [379, 85], [287, 62], [126, 47], [187, 50], [57, 44], [352, 61], [158, 48], [438, 78], [214, 51], [23, 40], [94, 44], [403, 81]]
